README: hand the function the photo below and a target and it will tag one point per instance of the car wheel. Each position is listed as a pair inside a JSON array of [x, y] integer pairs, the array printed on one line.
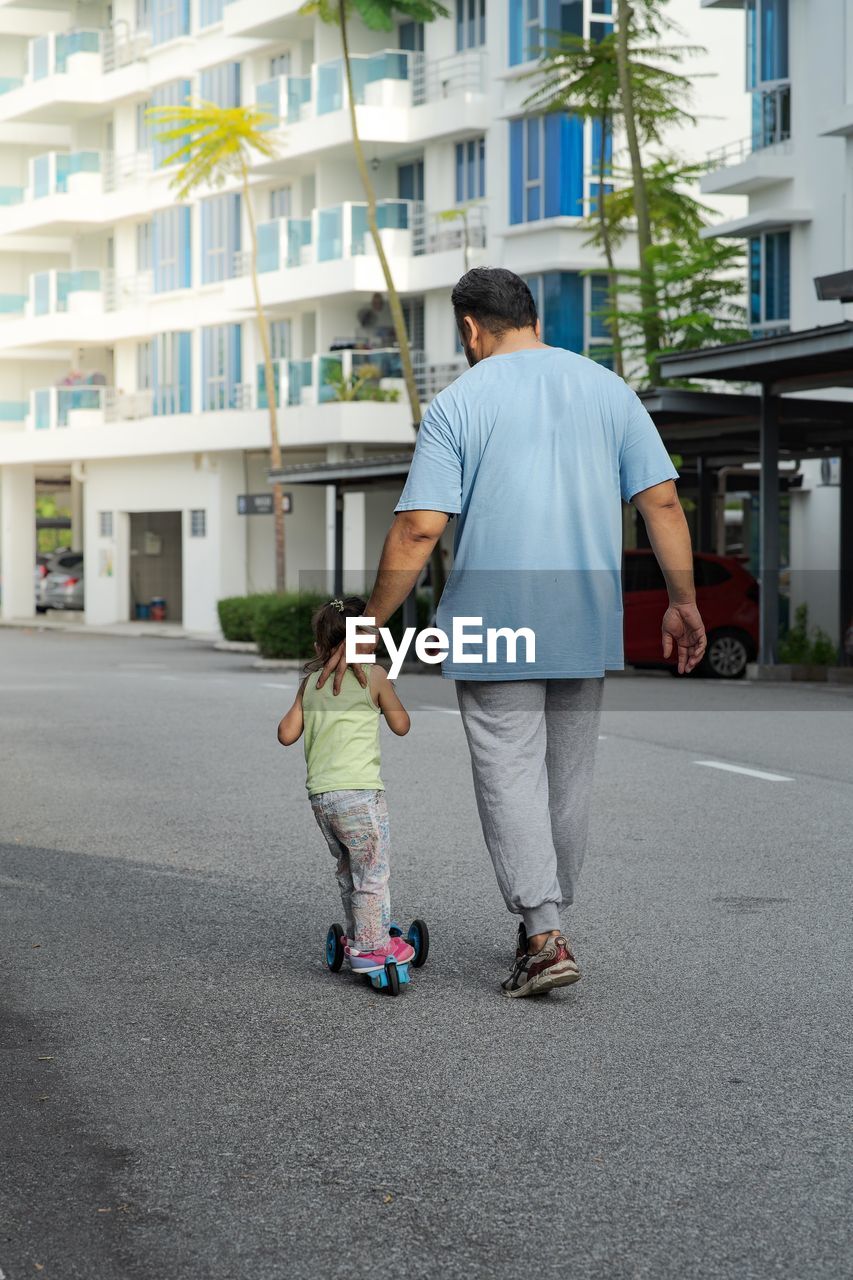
[[727, 655]]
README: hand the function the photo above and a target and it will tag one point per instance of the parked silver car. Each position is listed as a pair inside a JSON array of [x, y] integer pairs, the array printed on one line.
[[63, 586]]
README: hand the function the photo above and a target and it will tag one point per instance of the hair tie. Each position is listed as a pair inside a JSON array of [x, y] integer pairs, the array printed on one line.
[[337, 604]]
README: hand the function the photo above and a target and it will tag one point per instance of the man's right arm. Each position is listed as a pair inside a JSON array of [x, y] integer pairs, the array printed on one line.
[[682, 628]]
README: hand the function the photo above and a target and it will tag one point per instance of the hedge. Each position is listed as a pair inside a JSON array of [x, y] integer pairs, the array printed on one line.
[[280, 625], [237, 617]]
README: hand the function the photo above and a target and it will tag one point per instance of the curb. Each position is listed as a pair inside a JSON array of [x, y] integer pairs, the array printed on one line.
[[235, 646]]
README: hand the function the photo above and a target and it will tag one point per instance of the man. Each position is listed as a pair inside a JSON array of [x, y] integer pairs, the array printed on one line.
[[533, 449]]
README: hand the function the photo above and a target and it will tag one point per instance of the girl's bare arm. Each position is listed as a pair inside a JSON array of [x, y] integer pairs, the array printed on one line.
[[396, 715], [291, 725]]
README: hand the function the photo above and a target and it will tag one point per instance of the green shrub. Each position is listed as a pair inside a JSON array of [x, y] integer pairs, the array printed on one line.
[[237, 616], [807, 646], [282, 624]]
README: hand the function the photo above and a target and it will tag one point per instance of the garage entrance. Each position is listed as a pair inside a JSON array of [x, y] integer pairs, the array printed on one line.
[[156, 562]]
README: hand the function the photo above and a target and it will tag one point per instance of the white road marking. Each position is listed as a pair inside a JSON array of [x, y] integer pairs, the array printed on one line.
[[445, 711], [269, 685], [739, 768], [602, 737]]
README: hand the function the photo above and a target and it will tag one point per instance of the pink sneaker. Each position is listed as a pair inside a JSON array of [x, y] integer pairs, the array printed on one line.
[[366, 961], [401, 950]]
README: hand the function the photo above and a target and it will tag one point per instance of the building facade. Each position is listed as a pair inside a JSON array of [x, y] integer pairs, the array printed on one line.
[[795, 168], [130, 369]]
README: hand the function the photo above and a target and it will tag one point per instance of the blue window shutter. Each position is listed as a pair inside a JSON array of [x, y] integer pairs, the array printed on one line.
[[516, 171], [185, 17], [516, 32], [205, 208], [234, 358], [460, 172], [550, 35], [234, 230], [234, 87], [185, 257], [563, 165], [755, 280], [184, 365], [562, 305], [154, 373]]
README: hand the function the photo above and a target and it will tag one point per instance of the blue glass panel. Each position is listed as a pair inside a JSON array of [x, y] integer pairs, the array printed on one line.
[[777, 268], [751, 45], [7, 83], [71, 42], [774, 39], [298, 93], [360, 228], [534, 204], [562, 309], [516, 171], [235, 363], [210, 11], [11, 195], [41, 405], [598, 30], [755, 280], [40, 57], [516, 32], [460, 172], [41, 293], [184, 363], [268, 97], [330, 92], [12, 304], [598, 326], [534, 127], [298, 377], [263, 402], [329, 367], [571, 17], [298, 235], [330, 224], [563, 165], [13, 410], [41, 176], [269, 241]]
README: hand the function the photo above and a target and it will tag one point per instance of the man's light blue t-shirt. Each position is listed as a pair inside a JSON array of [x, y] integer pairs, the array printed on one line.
[[534, 450]]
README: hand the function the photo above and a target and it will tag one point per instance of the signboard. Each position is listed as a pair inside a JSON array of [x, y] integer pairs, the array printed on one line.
[[260, 504]]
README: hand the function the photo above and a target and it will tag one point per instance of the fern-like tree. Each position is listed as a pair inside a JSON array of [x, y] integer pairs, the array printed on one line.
[[212, 145], [380, 15], [629, 84]]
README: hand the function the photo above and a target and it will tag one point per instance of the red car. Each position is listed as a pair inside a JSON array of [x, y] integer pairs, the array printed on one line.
[[727, 596]]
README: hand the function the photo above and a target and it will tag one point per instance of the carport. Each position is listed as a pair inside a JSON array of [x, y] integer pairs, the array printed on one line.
[[716, 429]]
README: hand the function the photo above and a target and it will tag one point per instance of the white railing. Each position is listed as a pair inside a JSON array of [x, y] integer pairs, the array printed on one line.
[[120, 46], [126, 291], [436, 232], [739, 151], [455, 75], [121, 171], [84, 404]]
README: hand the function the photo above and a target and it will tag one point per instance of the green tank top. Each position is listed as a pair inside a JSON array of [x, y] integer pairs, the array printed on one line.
[[341, 737]]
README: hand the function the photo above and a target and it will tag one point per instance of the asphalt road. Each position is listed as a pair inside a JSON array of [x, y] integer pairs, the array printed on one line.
[[186, 1092]]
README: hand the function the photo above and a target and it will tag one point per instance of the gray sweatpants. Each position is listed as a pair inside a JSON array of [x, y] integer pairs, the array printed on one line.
[[532, 745]]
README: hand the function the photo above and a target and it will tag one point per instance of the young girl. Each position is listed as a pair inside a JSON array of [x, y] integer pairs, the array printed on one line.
[[344, 786]]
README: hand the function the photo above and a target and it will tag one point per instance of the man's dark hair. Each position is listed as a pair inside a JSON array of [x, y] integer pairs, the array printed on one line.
[[497, 299]]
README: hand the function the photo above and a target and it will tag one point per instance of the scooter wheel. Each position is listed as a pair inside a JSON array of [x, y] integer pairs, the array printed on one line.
[[393, 979], [418, 937], [334, 948]]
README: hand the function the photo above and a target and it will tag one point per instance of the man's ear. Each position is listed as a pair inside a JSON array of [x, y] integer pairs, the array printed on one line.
[[470, 330], [537, 329]]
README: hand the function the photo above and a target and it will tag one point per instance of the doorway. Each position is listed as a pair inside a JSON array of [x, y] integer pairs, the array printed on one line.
[[156, 562]]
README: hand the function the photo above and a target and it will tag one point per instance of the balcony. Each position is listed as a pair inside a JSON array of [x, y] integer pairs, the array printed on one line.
[[60, 291], [742, 169], [66, 72], [399, 95], [85, 405], [353, 375]]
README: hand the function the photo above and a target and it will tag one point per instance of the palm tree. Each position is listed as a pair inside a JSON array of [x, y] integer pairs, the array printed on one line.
[[378, 15], [214, 144]]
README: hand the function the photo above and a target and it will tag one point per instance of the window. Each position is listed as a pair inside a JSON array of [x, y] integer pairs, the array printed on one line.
[[221, 365], [221, 85], [169, 19], [280, 331], [533, 25], [770, 281], [280, 65], [174, 94], [767, 71], [198, 523], [598, 340], [210, 12], [143, 247], [410, 181], [470, 24], [411, 37], [171, 253], [559, 298], [105, 524], [280, 202], [164, 367], [546, 167], [220, 237], [470, 170]]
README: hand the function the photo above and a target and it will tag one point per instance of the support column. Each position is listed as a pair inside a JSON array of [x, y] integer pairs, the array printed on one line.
[[705, 512], [355, 573], [76, 504], [17, 540], [768, 450], [845, 559], [338, 566]]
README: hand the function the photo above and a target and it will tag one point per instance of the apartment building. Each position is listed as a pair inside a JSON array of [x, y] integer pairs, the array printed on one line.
[[130, 369], [795, 168]]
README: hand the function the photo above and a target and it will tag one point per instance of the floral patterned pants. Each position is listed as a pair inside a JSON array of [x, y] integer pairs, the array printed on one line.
[[355, 824]]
